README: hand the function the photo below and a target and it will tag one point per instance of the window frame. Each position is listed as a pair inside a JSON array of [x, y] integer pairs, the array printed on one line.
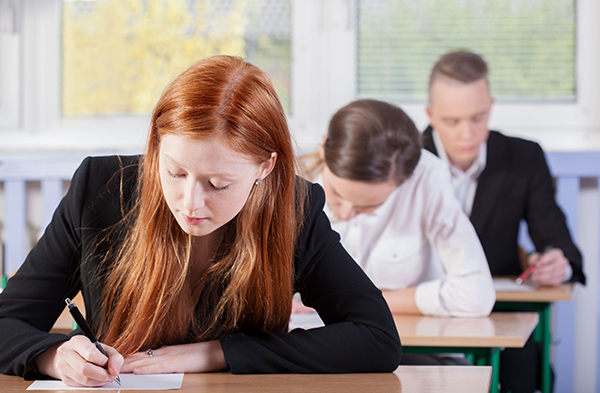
[[324, 78]]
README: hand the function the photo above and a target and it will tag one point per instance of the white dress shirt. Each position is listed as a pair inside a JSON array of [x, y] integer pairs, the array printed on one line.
[[421, 237], [464, 182]]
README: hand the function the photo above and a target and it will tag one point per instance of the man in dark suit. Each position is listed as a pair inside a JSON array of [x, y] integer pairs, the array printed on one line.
[[499, 180]]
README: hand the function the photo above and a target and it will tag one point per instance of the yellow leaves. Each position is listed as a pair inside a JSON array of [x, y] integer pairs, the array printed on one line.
[[118, 56]]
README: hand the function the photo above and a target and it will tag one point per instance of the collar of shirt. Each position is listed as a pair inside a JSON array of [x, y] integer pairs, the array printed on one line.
[[473, 171], [464, 182]]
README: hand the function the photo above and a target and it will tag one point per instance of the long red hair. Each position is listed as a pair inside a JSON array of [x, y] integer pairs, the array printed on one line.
[[148, 298]]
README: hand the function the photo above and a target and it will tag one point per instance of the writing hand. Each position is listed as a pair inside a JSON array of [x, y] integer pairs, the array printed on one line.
[[78, 362], [551, 267], [184, 358]]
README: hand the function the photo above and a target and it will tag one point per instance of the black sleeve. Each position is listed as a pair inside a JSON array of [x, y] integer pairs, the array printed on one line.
[[359, 333], [34, 298], [546, 222]]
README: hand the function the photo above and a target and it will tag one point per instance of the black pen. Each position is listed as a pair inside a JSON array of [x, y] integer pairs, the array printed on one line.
[[86, 329]]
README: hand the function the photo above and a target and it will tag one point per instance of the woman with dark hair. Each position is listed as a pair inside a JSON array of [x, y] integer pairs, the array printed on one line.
[[188, 256], [394, 208]]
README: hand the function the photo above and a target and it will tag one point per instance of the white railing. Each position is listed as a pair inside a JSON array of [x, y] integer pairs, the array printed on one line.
[[571, 170], [15, 173]]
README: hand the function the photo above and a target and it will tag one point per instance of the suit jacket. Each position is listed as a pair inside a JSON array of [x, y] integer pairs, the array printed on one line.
[[516, 184], [359, 336]]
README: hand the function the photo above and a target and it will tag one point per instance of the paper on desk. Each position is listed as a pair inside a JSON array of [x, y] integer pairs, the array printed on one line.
[[306, 320], [507, 284], [128, 382]]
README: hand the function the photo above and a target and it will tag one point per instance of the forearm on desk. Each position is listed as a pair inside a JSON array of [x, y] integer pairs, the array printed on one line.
[[402, 301]]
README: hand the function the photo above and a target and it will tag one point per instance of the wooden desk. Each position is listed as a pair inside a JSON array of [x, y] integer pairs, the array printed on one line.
[[480, 339], [498, 330], [407, 379], [539, 294], [539, 299]]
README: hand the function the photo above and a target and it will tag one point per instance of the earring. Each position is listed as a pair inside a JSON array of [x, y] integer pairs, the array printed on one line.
[[257, 182]]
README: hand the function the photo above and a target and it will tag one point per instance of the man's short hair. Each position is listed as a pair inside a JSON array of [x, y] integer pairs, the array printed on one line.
[[461, 65]]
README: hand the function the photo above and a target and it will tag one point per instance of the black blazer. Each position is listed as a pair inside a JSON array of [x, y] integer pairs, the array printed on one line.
[[516, 184], [359, 336]]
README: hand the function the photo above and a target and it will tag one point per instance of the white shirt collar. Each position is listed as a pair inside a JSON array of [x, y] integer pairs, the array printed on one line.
[[474, 170]]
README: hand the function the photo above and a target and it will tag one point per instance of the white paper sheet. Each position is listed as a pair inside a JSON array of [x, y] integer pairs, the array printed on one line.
[[506, 284], [306, 320], [128, 382]]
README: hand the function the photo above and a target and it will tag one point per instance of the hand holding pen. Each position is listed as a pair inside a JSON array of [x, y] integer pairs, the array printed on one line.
[[90, 335], [546, 268]]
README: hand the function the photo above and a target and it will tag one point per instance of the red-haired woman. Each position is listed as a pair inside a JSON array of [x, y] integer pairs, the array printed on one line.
[[188, 256]]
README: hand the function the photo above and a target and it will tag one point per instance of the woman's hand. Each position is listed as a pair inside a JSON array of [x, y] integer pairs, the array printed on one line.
[[78, 362], [185, 358], [550, 267]]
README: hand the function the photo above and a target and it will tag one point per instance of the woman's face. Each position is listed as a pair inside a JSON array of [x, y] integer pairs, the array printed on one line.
[[205, 183], [348, 198]]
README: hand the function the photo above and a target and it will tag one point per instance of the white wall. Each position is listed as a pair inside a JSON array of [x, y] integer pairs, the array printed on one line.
[[586, 298]]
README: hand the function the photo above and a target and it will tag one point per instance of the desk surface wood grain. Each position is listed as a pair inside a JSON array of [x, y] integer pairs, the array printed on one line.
[[539, 295], [499, 329], [408, 379]]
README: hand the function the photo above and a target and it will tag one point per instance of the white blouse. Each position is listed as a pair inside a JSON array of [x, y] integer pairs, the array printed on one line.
[[421, 236]]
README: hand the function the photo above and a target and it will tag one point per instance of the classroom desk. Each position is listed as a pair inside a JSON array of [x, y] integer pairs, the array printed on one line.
[[407, 379], [480, 339], [539, 299]]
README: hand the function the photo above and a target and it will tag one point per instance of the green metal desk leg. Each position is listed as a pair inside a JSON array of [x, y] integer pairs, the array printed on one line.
[[542, 334], [546, 344], [493, 359], [470, 357], [495, 362]]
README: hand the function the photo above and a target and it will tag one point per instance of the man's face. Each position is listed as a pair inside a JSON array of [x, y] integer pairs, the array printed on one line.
[[459, 112]]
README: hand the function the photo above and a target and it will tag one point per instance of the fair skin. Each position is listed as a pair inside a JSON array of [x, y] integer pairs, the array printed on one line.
[[203, 195], [550, 267], [348, 198], [459, 113]]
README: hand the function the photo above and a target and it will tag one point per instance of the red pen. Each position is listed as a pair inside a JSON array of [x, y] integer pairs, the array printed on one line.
[[530, 269], [525, 274]]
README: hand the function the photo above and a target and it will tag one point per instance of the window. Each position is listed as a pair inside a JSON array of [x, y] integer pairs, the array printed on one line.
[[118, 56], [83, 75], [528, 44]]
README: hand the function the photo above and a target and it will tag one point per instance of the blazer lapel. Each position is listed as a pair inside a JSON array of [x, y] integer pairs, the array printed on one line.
[[427, 140], [491, 182]]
